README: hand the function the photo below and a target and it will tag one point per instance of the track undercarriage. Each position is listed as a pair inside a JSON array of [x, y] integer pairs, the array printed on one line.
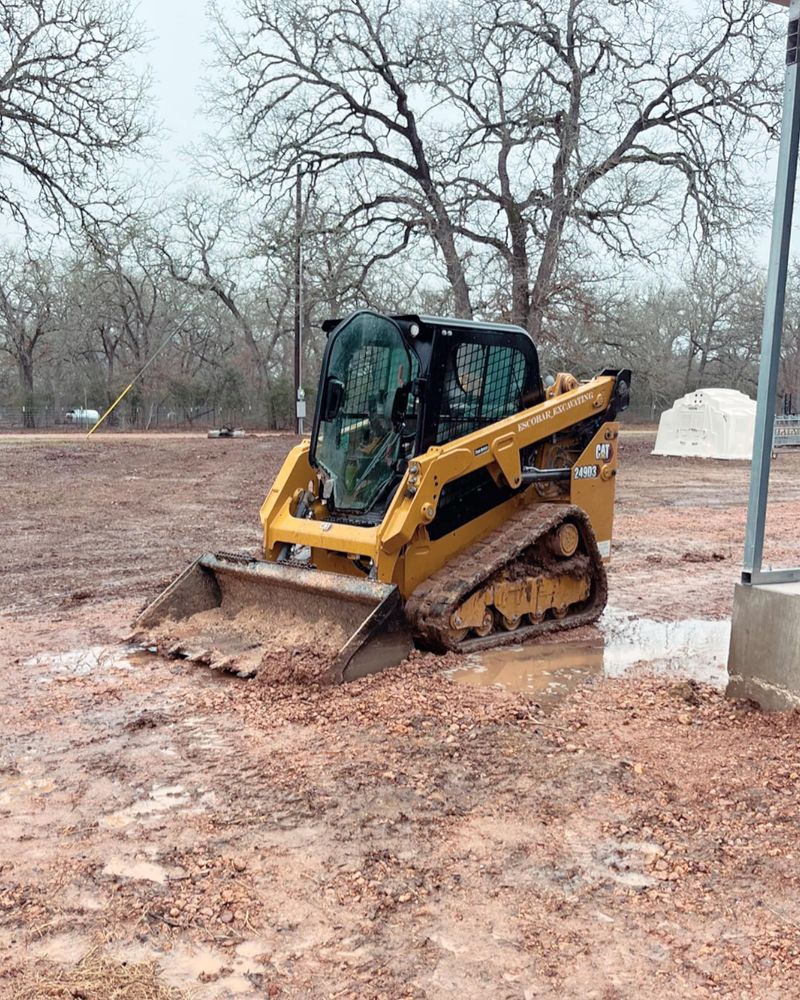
[[539, 572]]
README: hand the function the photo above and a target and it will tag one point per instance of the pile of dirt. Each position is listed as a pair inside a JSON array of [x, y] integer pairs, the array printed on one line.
[[241, 638], [416, 697], [258, 623]]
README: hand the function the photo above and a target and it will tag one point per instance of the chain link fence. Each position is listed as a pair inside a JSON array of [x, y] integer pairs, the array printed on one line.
[[144, 417]]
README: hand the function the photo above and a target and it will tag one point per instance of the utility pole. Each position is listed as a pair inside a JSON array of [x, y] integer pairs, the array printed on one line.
[[299, 395]]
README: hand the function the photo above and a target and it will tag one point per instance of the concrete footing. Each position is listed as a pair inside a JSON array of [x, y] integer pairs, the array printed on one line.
[[764, 656]]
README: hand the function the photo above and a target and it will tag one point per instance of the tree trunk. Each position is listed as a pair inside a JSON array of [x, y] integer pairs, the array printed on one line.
[[688, 375], [542, 286], [442, 225], [563, 193], [111, 393], [462, 306], [520, 293], [702, 369], [518, 262], [25, 368]]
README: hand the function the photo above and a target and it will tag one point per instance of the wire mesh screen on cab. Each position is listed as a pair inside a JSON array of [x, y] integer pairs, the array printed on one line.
[[367, 377], [483, 383]]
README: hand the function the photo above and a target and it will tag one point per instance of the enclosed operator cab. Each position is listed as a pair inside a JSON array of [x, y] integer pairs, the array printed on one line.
[[393, 386]]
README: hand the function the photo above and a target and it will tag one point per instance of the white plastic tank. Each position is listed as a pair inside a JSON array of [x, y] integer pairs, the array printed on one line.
[[708, 423], [82, 416]]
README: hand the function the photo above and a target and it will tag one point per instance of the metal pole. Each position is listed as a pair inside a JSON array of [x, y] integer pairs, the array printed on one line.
[[774, 307], [298, 300]]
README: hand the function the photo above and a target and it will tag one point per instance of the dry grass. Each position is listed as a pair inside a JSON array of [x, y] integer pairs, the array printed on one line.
[[98, 977]]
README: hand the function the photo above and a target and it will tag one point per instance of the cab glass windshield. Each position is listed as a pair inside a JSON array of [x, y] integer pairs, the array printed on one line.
[[366, 386]]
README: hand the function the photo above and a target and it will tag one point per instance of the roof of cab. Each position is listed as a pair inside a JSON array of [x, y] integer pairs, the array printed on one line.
[[437, 321], [470, 324]]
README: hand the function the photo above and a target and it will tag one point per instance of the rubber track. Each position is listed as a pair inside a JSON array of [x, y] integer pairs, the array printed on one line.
[[429, 608]]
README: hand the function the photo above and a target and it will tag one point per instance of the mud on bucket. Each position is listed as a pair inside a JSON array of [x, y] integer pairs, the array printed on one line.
[[230, 612]]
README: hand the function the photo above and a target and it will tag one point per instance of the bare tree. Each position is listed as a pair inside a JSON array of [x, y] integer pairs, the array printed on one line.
[[243, 259], [716, 318], [333, 87], [70, 106], [200, 253], [588, 120], [121, 306], [508, 130], [95, 333], [27, 316]]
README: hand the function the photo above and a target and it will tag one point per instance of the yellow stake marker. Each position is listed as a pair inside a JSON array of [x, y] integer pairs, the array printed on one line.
[[119, 399], [137, 376]]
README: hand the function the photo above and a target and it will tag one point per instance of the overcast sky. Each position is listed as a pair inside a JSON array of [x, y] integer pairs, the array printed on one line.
[[179, 47], [178, 30]]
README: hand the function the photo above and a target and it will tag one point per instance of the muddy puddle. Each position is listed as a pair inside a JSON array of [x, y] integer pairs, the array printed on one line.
[[230, 973], [92, 660], [139, 870], [621, 645], [202, 972], [161, 798]]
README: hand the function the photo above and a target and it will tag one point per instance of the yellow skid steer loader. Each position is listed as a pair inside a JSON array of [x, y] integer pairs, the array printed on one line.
[[446, 498]]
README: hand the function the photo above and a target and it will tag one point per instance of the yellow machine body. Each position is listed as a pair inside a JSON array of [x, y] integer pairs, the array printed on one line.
[[498, 534], [400, 546]]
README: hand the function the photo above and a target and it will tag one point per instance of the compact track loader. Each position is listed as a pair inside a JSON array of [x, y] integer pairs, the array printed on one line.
[[446, 497]]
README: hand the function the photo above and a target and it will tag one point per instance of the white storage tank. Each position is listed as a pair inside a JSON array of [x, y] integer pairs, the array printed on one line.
[[708, 423], [81, 416]]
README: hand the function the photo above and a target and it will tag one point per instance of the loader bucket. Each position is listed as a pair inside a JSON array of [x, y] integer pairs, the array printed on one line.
[[231, 612]]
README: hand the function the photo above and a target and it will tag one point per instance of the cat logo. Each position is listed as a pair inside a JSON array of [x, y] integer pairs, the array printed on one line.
[[602, 452]]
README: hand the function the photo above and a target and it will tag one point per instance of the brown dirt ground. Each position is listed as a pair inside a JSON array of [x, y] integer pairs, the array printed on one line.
[[402, 836]]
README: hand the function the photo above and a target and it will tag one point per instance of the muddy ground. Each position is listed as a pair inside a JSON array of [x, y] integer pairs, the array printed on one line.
[[404, 836]]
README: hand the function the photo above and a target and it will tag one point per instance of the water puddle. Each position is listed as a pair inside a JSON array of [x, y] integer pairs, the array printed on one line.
[[622, 644], [197, 971], [236, 984], [251, 949], [66, 949], [82, 662], [161, 798], [626, 862], [144, 871], [184, 967]]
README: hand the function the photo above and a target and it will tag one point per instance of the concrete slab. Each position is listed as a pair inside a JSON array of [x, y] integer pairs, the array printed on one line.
[[764, 655]]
